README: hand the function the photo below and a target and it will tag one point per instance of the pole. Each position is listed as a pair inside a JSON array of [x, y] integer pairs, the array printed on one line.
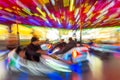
[[18, 36], [80, 26], [80, 36]]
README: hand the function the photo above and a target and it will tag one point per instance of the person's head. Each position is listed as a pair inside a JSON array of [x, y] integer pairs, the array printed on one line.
[[61, 40], [35, 40], [70, 39]]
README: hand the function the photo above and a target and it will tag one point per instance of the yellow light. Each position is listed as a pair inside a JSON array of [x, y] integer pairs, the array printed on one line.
[[66, 3], [36, 14], [15, 7], [87, 8], [22, 29], [71, 5], [7, 9], [43, 18], [27, 11], [1, 8], [43, 2], [74, 53], [22, 14], [41, 12], [53, 17], [46, 1]]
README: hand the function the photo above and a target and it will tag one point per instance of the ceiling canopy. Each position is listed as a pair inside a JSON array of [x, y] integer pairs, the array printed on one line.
[[68, 14]]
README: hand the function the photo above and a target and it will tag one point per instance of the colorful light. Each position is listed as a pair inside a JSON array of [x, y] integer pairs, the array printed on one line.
[[75, 54], [59, 13]]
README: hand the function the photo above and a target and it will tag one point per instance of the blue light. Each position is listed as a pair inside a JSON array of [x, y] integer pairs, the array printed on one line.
[[3, 19], [48, 23], [68, 26], [34, 21], [76, 68], [59, 25], [54, 76], [23, 76]]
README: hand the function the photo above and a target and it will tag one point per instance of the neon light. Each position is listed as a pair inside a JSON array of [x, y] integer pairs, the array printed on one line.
[[74, 54], [41, 12], [53, 2], [78, 17], [47, 11], [27, 11], [34, 21], [76, 12], [22, 5], [1, 7], [11, 19], [66, 3], [71, 5], [53, 17], [7, 9], [109, 6]]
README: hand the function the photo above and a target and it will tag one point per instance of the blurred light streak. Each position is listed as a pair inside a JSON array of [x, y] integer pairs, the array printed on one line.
[[57, 66], [41, 12], [102, 14], [3, 55], [54, 76], [68, 26], [11, 19], [66, 3], [46, 1], [108, 6], [1, 8], [37, 4], [34, 21], [96, 68], [53, 2], [25, 8], [105, 50], [3, 71], [58, 21], [6, 13], [76, 12], [78, 17], [36, 14], [53, 16], [90, 11], [43, 18], [27, 11], [47, 11], [22, 14], [7, 9], [71, 5]]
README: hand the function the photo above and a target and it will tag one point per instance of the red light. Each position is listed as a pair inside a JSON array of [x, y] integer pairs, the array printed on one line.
[[76, 54], [49, 46]]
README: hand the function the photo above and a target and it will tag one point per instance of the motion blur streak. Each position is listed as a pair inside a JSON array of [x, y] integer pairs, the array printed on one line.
[[3, 71], [96, 67]]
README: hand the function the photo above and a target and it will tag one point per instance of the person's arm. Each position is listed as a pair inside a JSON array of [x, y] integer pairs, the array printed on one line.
[[41, 52]]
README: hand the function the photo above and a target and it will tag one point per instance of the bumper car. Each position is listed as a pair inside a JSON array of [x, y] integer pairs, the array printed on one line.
[[3, 54], [46, 65], [76, 57]]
